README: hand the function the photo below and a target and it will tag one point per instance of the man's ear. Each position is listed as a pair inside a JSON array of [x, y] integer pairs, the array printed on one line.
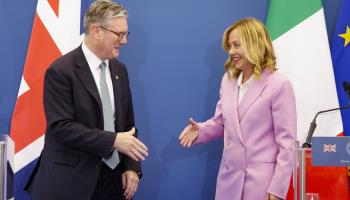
[[95, 31]]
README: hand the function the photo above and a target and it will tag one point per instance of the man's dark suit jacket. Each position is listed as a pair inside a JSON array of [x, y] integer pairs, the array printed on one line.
[[75, 143]]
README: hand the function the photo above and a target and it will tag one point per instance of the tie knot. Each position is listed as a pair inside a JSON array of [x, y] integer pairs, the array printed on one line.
[[103, 66]]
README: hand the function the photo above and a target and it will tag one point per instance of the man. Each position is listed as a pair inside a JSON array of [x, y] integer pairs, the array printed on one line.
[[90, 119]]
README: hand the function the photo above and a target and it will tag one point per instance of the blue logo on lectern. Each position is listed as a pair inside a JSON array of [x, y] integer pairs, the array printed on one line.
[[331, 151], [348, 148]]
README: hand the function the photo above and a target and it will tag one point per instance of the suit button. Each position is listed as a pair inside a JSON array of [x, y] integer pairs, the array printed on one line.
[[97, 166], [242, 144], [243, 169], [228, 142]]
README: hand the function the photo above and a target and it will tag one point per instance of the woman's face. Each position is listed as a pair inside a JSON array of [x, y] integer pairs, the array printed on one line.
[[237, 53]]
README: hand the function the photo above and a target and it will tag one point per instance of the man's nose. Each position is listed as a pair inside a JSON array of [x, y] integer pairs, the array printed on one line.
[[124, 40]]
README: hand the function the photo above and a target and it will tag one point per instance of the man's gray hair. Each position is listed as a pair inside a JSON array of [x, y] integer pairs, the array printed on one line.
[[101, 11]]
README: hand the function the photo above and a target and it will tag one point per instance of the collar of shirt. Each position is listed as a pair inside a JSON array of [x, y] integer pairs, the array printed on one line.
[[93, 61], [246, 84], [243, 87]]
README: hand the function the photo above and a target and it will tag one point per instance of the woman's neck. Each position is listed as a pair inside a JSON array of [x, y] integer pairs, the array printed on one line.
[[247, 73]]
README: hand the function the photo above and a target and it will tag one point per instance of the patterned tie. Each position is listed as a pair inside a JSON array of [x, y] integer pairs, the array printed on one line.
[[108, 118]]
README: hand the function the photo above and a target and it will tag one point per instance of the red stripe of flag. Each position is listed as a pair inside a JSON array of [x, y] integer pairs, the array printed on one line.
[[28, 120]]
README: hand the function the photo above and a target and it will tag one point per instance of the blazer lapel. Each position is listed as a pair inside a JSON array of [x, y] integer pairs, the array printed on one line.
[[86, 77], [231, 109], [115, 73], [253, 92]]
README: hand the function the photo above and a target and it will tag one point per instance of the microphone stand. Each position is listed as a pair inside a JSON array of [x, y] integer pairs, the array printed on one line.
[[301, 152], [307, 145], [313, 125]]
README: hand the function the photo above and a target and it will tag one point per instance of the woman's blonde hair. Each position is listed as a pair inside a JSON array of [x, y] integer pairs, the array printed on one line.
[[256, 42]]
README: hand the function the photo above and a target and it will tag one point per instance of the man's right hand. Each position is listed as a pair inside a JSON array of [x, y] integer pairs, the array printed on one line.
[[128, 144]]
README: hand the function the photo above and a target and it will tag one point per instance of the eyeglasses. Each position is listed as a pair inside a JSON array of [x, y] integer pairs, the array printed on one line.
[[119, 35]]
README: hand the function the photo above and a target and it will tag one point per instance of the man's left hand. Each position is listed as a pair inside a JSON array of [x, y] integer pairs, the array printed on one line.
[[130, 182]]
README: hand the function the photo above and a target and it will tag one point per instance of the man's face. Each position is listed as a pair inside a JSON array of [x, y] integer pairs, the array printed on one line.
[[113, 37]]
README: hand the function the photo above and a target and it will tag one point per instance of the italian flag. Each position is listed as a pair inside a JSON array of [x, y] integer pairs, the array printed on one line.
[[299, 34]]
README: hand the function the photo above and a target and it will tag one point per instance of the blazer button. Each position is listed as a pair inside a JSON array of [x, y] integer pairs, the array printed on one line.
[[242, 144], [97, 166]]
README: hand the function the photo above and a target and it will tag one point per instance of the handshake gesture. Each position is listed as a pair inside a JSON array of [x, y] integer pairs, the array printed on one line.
[[189, 134], [128, 144]]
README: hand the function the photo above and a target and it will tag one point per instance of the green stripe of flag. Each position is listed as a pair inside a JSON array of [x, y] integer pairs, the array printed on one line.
[[285, 14]]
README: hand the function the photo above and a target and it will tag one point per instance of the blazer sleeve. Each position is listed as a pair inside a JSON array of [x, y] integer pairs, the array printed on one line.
[[60, 116], [285, 127], [213, 128]]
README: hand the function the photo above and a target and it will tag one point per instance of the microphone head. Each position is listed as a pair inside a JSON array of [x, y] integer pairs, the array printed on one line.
[[346, 86]]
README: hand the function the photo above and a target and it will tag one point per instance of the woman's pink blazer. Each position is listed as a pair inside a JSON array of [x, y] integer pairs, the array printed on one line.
[[259, 138]]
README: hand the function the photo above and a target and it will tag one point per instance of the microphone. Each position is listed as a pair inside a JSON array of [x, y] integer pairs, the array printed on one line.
[[313, 124], [346, 87]]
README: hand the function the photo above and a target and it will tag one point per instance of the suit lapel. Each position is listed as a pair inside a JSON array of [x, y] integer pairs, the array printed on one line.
[[86, 77], [231, 98], [235, 111], [115, 76], [253, 92]]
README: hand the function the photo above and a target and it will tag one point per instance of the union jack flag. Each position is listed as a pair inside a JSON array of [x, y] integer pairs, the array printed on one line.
[[56, 30], [329, 148]]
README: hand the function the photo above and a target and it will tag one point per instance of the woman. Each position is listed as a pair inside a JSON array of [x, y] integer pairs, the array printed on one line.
[[256, 116]]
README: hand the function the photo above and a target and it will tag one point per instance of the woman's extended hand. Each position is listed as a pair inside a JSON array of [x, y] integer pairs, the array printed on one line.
[[189, 134]]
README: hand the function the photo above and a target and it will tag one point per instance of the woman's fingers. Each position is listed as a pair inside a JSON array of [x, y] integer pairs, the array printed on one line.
[[183, 133]]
